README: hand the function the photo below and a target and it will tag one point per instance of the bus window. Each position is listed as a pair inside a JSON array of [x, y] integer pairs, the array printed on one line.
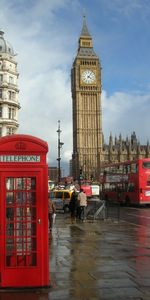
[[133, 168], [120, 169], [125, 187], [125, 170], [131, 187], [146, 165], [112, 187], [113, 169], [128, 169], [119, 186]]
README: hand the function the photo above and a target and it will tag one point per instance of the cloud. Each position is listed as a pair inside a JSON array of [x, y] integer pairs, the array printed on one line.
[[128, 7], [47, 101], [126, 112]]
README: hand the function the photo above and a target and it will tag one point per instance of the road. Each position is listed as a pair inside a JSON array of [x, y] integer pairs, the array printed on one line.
[[136, 215]]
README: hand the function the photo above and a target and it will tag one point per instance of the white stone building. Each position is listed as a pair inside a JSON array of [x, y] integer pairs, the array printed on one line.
[[9, 102]]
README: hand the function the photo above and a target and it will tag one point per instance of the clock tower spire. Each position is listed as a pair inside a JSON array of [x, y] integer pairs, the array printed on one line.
[[84, 31], [86, 108]]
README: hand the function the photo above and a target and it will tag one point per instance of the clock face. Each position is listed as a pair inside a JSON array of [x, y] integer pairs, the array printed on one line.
[[88, 76]]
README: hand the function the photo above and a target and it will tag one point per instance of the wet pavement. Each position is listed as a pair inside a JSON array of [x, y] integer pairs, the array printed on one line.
[[101, 259]]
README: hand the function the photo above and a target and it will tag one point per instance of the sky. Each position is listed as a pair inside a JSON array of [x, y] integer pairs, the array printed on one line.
[[44, 35]]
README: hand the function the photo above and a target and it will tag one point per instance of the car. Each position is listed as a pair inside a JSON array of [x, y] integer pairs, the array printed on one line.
[[61, 199]]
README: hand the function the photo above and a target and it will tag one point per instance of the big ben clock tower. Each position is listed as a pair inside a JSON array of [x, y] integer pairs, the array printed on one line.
[[86, 108]]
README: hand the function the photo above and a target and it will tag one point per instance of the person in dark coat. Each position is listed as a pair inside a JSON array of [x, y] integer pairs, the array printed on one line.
[[73, 206], [51, 211]]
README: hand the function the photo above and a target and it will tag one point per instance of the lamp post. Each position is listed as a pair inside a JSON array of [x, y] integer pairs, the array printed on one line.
[[60, 144]]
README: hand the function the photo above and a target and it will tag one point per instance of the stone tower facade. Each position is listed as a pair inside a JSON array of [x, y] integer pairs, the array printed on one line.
[[86, 104], [9, 102], [90, 151]]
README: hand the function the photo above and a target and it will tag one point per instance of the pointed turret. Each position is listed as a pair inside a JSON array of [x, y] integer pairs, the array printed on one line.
[[127, 141], [110, 139], [120, 141], [85, 47], [84, 31], [133, 139], [120, 137]]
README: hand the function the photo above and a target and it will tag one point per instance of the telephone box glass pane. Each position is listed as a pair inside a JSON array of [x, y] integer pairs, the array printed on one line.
[[31, 197], [21, 198], [20, 183], [9, 198], [10, 183], [21, 225], [31, 183], [9, 214]]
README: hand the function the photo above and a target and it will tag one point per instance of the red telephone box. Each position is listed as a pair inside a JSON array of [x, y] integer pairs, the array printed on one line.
[[23, 212]]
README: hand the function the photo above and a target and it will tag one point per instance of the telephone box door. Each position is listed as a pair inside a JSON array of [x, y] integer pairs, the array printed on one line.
[[21, 248]]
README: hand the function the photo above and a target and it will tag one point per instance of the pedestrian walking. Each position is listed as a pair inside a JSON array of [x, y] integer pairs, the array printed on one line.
[[78, 209], [73, 206], [82, 198], [51, 212]]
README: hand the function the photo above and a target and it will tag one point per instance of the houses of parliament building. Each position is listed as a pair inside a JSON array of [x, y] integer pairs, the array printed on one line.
[[90, 151]]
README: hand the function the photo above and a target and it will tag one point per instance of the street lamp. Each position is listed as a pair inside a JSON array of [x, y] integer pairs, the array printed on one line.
[[60, 144]]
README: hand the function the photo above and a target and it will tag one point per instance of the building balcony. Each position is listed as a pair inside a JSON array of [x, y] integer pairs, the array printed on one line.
[[9, 70], [10, 102], [8, 85], [9, 122], [13, 86]]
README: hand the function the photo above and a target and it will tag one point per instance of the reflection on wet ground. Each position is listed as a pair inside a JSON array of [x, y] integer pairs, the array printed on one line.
[[96, 260], [100, 260]]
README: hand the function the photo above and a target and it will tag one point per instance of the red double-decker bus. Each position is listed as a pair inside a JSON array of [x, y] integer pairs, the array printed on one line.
[[126, 182]]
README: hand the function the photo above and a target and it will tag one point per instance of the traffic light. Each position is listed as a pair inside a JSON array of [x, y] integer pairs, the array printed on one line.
[[81, 175]]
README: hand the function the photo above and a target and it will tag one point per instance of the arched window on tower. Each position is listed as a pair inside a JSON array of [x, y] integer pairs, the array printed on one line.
[[11, 113], [11, 95]]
